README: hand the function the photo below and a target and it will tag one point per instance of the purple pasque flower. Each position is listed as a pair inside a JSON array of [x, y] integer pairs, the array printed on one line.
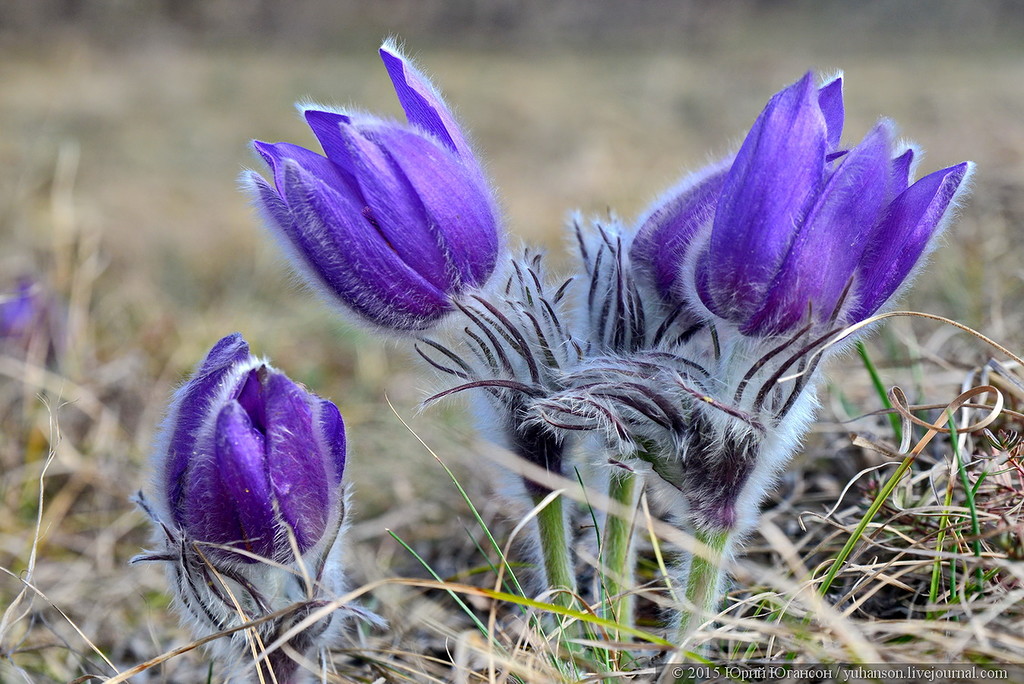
[[249, 505], [251, 458], [794, 226], [394, 220]]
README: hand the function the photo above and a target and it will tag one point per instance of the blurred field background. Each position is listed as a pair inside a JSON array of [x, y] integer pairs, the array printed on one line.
[[124, 126]]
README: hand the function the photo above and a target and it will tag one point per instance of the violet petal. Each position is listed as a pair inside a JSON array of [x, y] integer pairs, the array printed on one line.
[[295, 462], [770, 187], [830, 99], [238, 508], [661, 243], [392, 205], [422, 103], [190, 414], [899, 240], [331, 434], [828, 246], [459, 212], [349, 256]]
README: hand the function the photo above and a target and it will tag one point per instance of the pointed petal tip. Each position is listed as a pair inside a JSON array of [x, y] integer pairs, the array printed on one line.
[[830, 101], [314, 113], [253, 184], [421, 100], [266, 151], [799, 94], [960, 177], [833, 79], [907, 153], [964, 171], [955, 179], [807, 81], [394, 61], [229, 347], [390, 48]]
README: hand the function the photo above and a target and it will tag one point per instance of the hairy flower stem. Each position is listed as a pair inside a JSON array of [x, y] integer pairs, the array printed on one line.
[[703, 587], [616, 551], [554, 547], [703, 582]]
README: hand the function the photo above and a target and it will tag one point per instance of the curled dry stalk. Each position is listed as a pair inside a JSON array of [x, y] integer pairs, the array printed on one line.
[[901, 405]]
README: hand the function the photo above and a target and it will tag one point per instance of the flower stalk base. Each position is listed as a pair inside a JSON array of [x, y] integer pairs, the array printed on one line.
[[616, 557], [703, 587], [559, 576]]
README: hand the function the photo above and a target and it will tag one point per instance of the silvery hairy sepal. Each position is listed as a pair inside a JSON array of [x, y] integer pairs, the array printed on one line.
[[249, 506], [610, 306], [510, 341], [395, 220]]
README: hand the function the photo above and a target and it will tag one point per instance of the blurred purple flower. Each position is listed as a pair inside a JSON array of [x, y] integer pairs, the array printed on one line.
[[32, 322], [251, 457], [396, 219], [19, 311], [794, 223]]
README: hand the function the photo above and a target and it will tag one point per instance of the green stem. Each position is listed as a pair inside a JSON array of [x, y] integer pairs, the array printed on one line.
[[969, 493], [703, 583], [554, 546], [616, 551]]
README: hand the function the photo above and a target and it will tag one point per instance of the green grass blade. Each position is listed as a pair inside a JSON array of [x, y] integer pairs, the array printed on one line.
[[865, 520], [969, 496], [589, 618], [462, 604], [876, 381], [940, 542]]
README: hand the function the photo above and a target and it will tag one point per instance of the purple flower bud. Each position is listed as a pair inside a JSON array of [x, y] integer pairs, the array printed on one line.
[[249, 468], [251, 458], [796, 225], [395, 219]]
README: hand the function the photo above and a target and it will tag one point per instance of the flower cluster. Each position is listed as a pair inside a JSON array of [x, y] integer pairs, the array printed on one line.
[[688, 345], [692, 341], [734, 286]]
